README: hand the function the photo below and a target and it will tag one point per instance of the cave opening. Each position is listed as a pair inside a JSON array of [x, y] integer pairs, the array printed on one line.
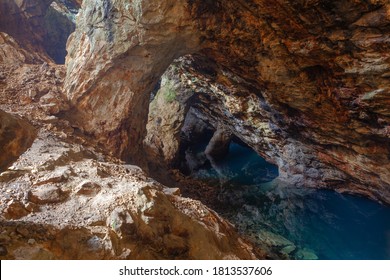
[[285, 218], [290, 222], [216, 156]]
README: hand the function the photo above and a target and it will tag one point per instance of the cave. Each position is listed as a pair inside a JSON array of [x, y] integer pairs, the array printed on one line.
[[291, 222], [214, 154], [161, 125], [280, 214]]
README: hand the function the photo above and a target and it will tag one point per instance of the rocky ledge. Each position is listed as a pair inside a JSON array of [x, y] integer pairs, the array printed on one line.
[[62, 198]]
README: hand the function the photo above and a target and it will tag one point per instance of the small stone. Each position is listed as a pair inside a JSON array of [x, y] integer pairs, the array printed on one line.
[[172, 191], [32, 207], [25, 100], [88, 188], [52, 103], [23, 231], [121, 222], [288, 249], [32, 93], [31, 241], [60, 175], [46, 194], [15, 210], [306, 254], [59, 74]]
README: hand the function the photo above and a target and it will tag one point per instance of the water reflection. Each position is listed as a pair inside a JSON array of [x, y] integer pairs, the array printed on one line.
[[297, 223]]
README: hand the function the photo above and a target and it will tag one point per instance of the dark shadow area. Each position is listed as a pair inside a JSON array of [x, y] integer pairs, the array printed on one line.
[[58, 28]]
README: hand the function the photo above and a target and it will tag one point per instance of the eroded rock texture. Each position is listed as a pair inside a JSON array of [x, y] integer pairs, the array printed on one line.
[[305, 83], [322, 68], [63, 198], [68, 202], [117, 54]]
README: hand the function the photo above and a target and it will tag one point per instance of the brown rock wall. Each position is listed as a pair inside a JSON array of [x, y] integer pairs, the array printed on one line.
[[321, 68], [16, 136]]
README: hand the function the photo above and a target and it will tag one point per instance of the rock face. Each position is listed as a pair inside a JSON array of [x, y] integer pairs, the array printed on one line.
[[16, 136], [59, 23], [218, 146], [303, 83], [11, 52], [41, 27], [117, 54], [23, 20], [64, 198], [167, 113], [65, 201]]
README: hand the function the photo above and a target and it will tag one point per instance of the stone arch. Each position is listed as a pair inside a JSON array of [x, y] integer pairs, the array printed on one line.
[[121, 48], [115, 58]]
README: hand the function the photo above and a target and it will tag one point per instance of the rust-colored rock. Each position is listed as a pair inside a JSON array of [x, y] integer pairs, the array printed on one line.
[[307, 82], [117, 54], [10, 51], [126, 216], [16, 136]]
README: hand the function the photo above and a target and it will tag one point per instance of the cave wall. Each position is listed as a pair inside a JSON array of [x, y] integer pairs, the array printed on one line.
[[16, 136], [305, 83], [117, 54], [23, 20], [40, 27]]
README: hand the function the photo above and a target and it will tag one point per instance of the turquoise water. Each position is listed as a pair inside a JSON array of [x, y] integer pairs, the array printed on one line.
[[296, 223]]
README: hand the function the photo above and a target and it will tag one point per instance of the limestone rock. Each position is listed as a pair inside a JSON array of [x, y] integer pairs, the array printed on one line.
[[167, 113], [132, 44], [306, 254], [289, 79], [52, 103], [10, 51], [218, 146], [125, 216], [40, 27], [23, 20], [46, 194], [88, 188]]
